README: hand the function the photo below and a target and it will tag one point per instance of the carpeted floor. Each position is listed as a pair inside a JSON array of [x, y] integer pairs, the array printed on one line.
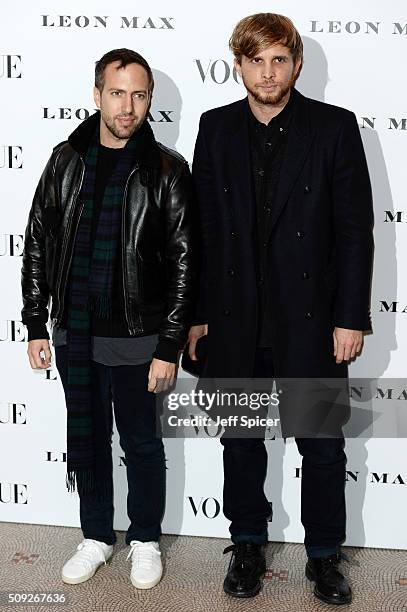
[[31, 557]]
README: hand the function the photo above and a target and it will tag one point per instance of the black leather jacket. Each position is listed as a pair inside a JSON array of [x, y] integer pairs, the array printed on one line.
[[157, 225]]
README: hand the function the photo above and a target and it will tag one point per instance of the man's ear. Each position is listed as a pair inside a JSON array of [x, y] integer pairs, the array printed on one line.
[[96, 96], [238, 66], [298, 67]]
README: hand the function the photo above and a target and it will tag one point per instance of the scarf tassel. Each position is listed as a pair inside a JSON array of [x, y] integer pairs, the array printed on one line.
[[80, 480], [83, 482]]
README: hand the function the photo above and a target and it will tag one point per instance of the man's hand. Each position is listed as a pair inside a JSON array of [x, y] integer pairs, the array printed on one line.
[[196, 332], [161, 375], [35, 347], [347, 343]]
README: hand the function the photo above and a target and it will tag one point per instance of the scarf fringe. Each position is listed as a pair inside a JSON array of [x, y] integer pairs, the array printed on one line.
[[100, 305], [80, 480], [84, 483]]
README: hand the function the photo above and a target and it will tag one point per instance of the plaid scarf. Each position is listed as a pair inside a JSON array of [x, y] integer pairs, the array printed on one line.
[[91, 284]]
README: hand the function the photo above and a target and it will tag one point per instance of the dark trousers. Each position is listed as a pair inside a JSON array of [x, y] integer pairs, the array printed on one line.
[[134, 411], [322, 488]]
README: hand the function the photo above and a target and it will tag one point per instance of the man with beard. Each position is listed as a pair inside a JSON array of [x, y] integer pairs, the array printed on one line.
[[109, 239], [286, 223]]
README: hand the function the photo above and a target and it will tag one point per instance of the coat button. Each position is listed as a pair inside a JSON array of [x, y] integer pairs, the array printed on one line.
[[309, 315], [231, 272], [226, 189], [226, 312], [305, 275], [307, 189], [300, 234], [233, 234]]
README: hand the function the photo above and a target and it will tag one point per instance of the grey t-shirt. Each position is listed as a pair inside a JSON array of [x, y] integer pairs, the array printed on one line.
[[115, 351]]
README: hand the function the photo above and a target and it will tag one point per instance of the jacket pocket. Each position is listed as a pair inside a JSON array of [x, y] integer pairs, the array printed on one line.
[[151, 283]]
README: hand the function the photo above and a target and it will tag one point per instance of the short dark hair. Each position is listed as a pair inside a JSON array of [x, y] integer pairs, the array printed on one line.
[[125, 57]]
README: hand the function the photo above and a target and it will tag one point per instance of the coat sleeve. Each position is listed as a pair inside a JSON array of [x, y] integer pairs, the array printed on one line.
[[35, 290], [202, 173], [353, 222], [180, 268]]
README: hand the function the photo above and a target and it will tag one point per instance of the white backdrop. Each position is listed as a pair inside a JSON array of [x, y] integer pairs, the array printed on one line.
[[354, 57]]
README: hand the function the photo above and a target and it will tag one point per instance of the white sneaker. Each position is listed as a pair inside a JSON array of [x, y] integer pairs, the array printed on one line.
[[84, 563], [146, 566]]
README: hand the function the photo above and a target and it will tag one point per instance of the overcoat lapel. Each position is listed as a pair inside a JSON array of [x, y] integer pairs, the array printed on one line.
[[238, 164], [299, 140]]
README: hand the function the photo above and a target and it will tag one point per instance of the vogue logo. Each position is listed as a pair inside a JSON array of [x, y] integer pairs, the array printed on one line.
[[12, 331], [10, 66], [218, 71], [355, 27], [65, 112], [11, 157], [11, 245], [209, 507], [11, 493], [104, 21], [55, 456], [214, 431], [13, 414], [209, 431]]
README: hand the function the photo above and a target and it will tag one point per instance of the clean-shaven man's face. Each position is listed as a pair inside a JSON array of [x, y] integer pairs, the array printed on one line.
[[123, 102], [269, 75]]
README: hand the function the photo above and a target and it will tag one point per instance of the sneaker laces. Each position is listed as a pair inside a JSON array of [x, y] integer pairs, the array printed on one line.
[[87, 550], [142, 553]]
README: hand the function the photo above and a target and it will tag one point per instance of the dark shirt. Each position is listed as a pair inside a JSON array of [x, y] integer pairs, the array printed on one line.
[[267, 145], [111, 341]]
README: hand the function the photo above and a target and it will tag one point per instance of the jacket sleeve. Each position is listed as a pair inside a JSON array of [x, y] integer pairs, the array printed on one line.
[[35, 290], [179, 263], [353, 221], [203, 181]]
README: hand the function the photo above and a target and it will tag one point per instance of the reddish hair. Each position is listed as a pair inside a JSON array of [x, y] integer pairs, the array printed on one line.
[[256, 33]]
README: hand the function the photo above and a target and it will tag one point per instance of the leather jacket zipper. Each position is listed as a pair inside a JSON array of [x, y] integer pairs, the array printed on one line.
[[131, 326], [57, 318]]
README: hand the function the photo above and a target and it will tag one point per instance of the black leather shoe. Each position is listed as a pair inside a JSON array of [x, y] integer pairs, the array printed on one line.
[[246, 570], [330, 585]]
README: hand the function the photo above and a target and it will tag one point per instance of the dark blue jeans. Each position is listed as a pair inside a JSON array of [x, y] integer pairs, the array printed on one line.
[[135, 417], [323, 512]]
